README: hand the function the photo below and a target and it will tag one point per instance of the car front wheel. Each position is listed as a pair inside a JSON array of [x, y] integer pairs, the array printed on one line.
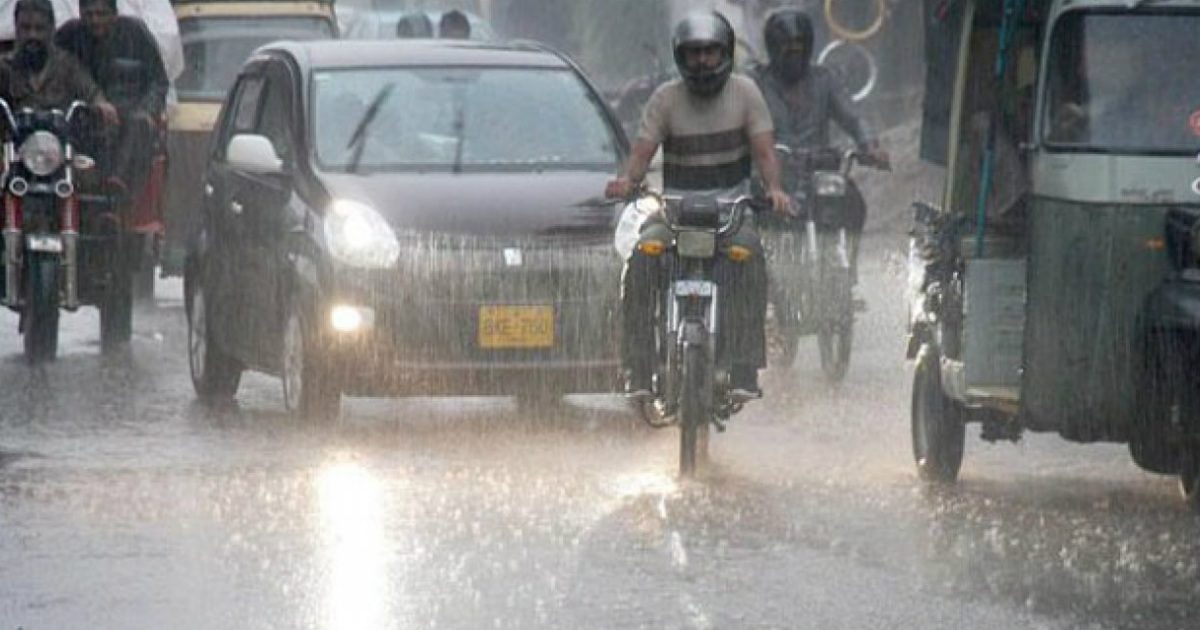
[[309, 388]]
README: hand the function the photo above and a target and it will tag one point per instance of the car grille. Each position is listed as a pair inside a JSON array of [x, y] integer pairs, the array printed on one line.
[[442, 281]]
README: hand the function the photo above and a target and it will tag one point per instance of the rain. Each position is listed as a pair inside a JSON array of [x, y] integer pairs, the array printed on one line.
[[421, 421]]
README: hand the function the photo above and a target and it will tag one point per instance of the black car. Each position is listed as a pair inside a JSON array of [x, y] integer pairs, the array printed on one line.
[[420, 217]]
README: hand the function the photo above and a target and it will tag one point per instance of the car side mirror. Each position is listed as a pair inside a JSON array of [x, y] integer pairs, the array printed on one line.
[[254, 154]]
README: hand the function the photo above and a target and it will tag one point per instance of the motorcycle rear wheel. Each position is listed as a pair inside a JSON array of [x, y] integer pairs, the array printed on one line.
[[40, 318]]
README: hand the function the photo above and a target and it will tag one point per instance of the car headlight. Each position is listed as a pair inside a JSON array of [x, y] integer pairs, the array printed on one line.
[[831, 185], [358, 236], [42, 153]]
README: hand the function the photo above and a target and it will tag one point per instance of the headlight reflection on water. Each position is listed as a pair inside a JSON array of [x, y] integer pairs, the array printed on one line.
[[352, 528]]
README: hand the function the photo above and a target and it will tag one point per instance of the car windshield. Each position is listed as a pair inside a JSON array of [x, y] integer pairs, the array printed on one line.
[[459, 118], [215, 48], [1125, 84]]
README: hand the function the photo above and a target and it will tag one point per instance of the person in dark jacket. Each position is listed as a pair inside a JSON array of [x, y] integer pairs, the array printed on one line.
[[124, 60], [804, 98]]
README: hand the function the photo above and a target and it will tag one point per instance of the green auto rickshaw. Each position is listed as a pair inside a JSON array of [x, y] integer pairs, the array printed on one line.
[[1057, 286]]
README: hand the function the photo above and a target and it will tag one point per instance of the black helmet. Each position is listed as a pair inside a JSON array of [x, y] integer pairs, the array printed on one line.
[[784, 27], [700, 30]]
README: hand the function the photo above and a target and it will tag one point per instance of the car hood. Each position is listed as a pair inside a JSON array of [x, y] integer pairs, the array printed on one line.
[[568, 204]]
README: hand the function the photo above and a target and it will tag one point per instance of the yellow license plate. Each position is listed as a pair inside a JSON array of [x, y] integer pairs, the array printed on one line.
[[516, 327]]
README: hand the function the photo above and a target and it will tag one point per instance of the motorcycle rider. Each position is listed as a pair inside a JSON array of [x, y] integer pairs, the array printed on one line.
[[123, 58], [710, 123], [37, 75], [804, 97]]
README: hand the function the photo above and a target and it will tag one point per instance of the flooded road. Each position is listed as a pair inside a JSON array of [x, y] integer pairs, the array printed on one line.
[[126, 504]]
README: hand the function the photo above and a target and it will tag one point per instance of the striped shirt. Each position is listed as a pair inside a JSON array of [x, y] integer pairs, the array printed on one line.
[[705, 141]]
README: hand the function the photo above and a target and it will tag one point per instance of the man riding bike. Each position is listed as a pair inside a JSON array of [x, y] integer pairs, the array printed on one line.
[[804, 97], [123, 58], [710, 123], [36, 74]]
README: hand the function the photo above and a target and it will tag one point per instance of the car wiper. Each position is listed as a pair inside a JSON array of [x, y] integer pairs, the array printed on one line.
[[358, 139]]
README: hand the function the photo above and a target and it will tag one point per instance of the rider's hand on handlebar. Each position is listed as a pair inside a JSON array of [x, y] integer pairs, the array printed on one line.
[[619, 188], [876, 156], [781, 202], [111, 117]]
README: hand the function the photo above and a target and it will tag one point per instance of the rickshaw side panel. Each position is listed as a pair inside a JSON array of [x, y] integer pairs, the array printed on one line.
[[146, 213], [1091, 268]]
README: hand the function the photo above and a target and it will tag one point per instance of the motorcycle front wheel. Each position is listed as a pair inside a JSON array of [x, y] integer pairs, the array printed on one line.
[[40, 318], [835, 338], [694, 408]]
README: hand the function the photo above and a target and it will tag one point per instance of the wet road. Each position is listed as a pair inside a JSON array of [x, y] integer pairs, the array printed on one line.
[[124, 504]]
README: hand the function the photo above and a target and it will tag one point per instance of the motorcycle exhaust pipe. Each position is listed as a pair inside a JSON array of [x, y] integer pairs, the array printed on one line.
[[13, 244]]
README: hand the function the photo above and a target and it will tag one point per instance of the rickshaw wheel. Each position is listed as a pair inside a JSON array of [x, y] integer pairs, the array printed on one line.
[[938, 431]]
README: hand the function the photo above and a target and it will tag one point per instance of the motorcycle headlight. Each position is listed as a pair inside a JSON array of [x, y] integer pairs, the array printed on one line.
[[358, 236], [649, 204], [42, 153], [830, 185]]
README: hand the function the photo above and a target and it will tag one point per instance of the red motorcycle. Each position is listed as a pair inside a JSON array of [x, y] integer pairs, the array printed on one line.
[[66, 243]]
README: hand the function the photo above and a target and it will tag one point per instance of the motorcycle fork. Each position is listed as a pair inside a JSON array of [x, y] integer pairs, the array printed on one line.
[[13, 246], [681, 310], [69, 208]]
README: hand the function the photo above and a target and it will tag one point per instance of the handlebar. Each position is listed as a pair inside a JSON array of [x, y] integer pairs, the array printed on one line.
[[829, 158], [11, 118], [75, 106], [8, 115]]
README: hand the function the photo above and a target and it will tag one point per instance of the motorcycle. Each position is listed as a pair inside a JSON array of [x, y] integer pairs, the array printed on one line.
[[691, 383], [62, 248], [810, 258]]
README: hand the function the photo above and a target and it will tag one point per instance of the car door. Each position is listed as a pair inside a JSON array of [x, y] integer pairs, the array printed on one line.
[[225, 284], [268, 214]]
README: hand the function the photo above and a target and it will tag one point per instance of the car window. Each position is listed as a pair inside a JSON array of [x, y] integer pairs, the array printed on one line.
[[451, 118], [276, 117], [246, 105]]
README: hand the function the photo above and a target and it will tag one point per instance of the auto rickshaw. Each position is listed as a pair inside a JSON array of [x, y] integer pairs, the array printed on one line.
[[218, 36], [1057, 288]]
